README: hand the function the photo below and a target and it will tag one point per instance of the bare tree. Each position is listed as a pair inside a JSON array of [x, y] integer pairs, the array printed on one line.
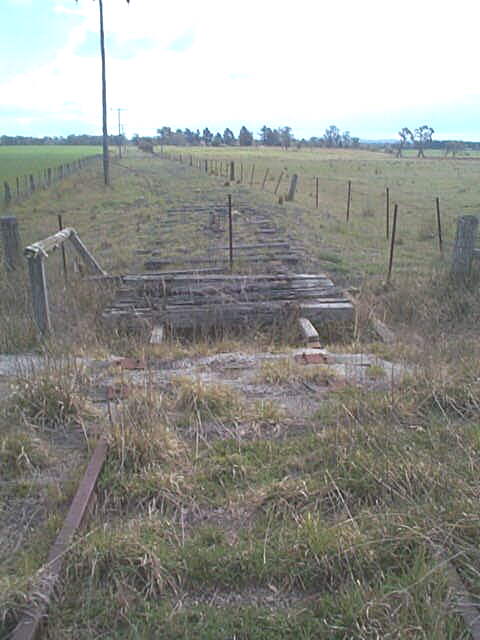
[[106, 159], [332, 136], [286, 137], [454, 147], [421, 138], [404, 135]]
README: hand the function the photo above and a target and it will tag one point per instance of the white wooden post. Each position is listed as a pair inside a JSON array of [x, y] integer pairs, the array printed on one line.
[[464, 246], [38, 283]]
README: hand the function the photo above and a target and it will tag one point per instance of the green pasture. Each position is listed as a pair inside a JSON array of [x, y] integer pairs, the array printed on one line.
[[348, 250], [20, 160], [360, 246]]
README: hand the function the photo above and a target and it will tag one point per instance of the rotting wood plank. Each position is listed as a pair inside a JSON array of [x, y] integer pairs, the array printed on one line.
[[189, 283], [29, 624], [172, 274], [213, 299], [143, 284], [157, 290], [198, 283], [153, 264], [219, 253], [231, 277], [237, 247], [238, 313], [157, 335], [261, 245], [222, 305], [308, 331], [225, 297]]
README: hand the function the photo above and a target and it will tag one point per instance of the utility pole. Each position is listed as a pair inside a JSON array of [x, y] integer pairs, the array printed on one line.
[[119, 110], [106, 159]]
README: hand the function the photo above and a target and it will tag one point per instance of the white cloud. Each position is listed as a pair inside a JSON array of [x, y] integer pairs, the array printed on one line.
[[309, 64]]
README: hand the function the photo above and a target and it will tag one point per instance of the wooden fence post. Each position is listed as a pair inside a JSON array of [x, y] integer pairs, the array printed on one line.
[[11, 242], [316, 193], [230, 231], [38, 284], [252, 175], [349, 195], [17, 183], [64, 257], [278, 182], [8, 193], [265, 179], [32, 183], [387, 212], [464, 246], [439, 226], [232, 171], [392, 243], [293, 187]]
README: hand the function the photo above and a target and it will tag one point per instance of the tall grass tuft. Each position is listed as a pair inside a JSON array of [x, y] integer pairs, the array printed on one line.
[[50, 397], [140, 436], [195, 398]]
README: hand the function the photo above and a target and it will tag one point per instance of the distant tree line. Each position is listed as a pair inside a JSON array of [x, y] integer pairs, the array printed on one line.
[[270, 137], [419, 139], [82, 139], [189, 137]]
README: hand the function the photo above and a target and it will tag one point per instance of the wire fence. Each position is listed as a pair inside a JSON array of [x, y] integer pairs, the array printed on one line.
[[357, 197], [24, 186]]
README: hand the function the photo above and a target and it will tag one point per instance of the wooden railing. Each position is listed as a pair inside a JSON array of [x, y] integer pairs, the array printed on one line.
[[36, 254]]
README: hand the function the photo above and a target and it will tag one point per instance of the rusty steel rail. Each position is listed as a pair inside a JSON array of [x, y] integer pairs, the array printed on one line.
[[30, 624]]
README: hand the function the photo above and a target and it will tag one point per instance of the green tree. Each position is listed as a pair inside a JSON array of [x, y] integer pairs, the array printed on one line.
[[265, 135], [106, 159], [207, 136], [346, 139], [165, 135], [245, 137], [217, 140], [228, 137]]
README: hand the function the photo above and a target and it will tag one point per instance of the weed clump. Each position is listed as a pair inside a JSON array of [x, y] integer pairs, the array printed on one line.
[[17, 329], [50, 398], [196, 399], [284, 371], [21, 453], [140, 436]]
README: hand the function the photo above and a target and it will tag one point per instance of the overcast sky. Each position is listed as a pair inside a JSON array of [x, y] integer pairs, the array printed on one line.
[[370, 66]]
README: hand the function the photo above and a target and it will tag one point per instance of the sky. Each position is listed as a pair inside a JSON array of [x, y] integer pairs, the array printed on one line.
[[370, 67]]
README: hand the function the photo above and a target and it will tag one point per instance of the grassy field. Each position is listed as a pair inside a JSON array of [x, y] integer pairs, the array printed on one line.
[[21, 160], [350, 250], [361, 246], [243, 498]]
